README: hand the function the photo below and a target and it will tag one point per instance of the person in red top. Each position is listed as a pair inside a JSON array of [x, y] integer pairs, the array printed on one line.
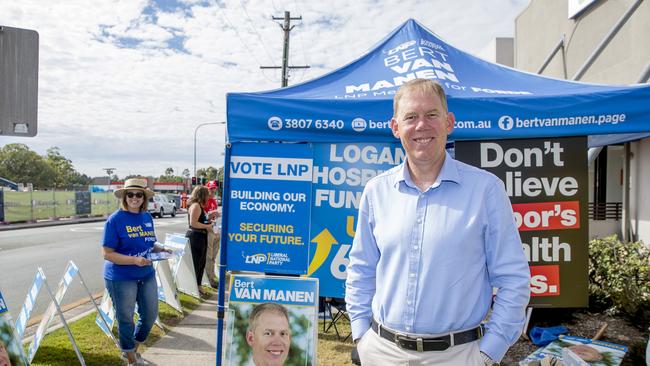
[[214, 236]]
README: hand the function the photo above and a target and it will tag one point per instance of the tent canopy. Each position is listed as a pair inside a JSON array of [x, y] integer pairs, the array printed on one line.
[[490, 101]]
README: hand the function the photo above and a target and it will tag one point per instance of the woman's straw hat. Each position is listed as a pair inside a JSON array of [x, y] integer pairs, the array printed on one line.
[[134, 184]]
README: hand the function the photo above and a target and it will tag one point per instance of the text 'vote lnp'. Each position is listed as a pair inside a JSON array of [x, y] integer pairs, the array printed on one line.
[[247, 167]]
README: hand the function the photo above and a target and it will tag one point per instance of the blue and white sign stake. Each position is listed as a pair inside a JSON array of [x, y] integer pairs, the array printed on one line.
[[28, 305]]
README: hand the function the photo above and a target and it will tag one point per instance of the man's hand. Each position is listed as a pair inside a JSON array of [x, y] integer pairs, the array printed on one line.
[[487, 360]]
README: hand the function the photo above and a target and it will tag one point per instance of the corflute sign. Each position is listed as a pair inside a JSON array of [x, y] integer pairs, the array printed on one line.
[[270, 200], [546, 180]]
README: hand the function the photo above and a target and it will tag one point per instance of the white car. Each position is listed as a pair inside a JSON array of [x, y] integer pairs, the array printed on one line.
[[159, 206]]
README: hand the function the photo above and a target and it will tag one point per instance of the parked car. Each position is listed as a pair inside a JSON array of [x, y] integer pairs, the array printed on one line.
[[159, 206]]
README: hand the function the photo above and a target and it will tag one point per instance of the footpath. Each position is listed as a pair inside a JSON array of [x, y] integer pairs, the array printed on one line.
[[191, 342]]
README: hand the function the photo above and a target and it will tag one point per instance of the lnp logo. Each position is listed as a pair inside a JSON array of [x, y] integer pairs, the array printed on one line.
[[255, 258], [401, 47], [506, 123], [275, 123], [359, 124]]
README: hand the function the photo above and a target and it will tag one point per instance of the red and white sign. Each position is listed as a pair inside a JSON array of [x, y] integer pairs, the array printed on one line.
[[547, 215], [545, 280]]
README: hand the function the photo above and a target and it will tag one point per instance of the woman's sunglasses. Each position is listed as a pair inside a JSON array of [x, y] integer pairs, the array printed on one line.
[[136, 194]]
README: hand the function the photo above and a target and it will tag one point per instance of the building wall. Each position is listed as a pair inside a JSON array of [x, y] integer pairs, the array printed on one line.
[[540, 27], [543, 23], [500, 50], [640, 189]]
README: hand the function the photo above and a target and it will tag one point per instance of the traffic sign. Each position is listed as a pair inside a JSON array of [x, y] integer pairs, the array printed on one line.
[[18, 81]]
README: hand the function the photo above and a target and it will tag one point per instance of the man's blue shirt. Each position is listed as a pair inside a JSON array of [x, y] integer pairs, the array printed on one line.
[[426, 262], [129, 234]]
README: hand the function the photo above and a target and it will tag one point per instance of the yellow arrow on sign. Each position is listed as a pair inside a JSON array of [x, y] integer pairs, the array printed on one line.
[[324, 241]]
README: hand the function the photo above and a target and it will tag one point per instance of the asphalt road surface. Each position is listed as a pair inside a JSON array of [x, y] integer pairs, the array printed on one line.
[[51, 248]]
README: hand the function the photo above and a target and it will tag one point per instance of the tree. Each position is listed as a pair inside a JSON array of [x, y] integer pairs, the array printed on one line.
[[64, 172], [169, 171], [22, 165], [186, 173], [82, 180], [210, 173]]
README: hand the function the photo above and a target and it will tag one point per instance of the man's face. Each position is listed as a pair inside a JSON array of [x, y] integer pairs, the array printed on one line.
[[212, 192], [422, 125], [270, 339]]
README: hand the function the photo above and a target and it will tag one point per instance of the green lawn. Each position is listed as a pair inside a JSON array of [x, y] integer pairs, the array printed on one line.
[[95, 346]]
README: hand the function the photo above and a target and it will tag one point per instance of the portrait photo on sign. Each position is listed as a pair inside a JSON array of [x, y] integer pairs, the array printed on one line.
[[270, 334], [11, 353]]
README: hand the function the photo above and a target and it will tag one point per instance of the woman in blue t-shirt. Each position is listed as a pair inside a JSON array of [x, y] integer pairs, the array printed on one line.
[[130, 277]]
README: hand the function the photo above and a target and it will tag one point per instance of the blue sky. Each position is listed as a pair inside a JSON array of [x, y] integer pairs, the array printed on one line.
[[124, 83]]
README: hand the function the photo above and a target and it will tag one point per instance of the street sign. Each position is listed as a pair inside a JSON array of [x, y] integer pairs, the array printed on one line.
[[18, 81]]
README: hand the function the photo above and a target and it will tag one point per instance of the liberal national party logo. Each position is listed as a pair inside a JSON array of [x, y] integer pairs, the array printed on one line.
[[255, 258]]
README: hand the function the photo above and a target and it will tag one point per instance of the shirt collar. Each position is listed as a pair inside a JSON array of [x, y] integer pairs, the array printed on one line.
[[448, 173]]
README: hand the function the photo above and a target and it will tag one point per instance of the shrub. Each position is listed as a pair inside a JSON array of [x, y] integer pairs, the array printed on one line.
[[619, 275]]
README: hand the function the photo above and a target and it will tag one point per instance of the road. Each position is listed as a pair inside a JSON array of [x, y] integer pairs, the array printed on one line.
[[23, 251]]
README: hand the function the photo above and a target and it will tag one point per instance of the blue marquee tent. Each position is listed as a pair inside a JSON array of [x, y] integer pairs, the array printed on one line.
[[490, 101]]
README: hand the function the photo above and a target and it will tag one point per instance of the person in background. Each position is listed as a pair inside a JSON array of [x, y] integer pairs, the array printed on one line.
[[129, 276], [199, 225], [214, 235], [269, 334], [434, 237]]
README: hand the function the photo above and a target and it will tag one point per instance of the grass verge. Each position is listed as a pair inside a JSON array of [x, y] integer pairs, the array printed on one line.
[[98, 350]]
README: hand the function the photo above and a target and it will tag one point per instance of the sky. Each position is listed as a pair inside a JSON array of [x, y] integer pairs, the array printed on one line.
[[125, 84]]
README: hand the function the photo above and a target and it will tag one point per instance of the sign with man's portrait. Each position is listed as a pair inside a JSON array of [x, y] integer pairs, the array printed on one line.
[[272, 321]]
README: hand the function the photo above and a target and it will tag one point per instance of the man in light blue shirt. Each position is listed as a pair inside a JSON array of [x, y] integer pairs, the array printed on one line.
[[434, 237]]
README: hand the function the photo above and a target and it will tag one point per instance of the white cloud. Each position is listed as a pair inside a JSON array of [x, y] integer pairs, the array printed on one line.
[[136, 109]]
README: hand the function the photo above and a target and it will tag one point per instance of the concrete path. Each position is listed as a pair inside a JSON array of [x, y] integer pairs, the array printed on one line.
[[191, 342]]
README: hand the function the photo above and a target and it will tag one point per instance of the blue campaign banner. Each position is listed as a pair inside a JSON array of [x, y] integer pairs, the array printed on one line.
[[340, 173], [280, 290], [270, 202], [490, 101]]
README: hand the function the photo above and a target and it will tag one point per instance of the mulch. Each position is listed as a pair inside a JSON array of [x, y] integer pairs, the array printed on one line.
[[583, 323]]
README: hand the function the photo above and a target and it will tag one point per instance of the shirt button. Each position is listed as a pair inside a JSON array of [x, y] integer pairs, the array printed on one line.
[[409, 303], [415, 247], [412, 274], [419, 221]]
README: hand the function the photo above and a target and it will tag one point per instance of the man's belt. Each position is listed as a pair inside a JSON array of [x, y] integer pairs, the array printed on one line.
[[412, 343]]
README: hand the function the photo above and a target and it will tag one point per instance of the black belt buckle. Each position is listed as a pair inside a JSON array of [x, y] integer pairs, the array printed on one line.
[[405, 342]]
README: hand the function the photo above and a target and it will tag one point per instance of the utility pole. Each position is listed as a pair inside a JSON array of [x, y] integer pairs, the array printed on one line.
[[286, 27]]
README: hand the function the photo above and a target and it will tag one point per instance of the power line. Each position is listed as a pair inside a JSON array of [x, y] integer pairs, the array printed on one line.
[[256, 32], [302, 46], [223, 13], [286, 28]]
